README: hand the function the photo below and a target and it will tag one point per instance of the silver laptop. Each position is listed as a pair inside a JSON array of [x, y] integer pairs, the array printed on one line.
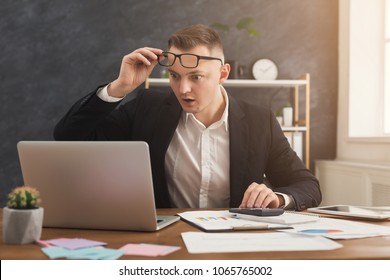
[[93, 185]]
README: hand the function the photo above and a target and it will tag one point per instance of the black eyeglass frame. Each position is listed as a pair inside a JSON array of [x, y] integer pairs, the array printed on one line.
[[199, 57]]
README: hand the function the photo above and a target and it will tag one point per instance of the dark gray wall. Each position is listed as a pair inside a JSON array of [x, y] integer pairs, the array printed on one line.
[[54, 52]]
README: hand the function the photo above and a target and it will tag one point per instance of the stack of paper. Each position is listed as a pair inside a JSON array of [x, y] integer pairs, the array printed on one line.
[[306, 232]]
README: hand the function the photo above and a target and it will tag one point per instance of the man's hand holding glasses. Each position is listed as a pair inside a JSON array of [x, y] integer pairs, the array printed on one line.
[[135, 69]]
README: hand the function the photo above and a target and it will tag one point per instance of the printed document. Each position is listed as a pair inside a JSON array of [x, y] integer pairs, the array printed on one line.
[[340, 229], [202, 242]]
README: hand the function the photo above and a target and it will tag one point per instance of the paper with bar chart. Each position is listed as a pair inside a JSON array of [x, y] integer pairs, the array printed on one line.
[[223, 220]]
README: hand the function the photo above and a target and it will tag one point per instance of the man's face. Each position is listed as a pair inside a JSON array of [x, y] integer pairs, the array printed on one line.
[[198, 89]]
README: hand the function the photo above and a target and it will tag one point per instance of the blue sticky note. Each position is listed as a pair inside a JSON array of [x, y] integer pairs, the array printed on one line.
[[96, 253], [110, 254], [55, 252], [91, 253]]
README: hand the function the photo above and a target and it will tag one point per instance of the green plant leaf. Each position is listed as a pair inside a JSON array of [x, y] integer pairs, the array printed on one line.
[[244, 23], [221, 27], [252, 32]]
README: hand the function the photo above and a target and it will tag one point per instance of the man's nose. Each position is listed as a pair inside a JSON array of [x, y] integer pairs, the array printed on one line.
[[185, 86]]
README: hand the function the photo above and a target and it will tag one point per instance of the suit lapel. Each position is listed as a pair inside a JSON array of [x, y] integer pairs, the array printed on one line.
[[165, 126], [239, 134]]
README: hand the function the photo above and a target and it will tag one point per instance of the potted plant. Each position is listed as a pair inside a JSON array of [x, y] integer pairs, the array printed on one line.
[[23, 217], [243, 25]]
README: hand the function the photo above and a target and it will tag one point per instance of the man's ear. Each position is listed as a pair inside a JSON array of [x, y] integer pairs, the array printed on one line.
[[225, 70]]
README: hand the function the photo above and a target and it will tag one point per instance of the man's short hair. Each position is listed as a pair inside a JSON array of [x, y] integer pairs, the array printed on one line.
[[196, 35]]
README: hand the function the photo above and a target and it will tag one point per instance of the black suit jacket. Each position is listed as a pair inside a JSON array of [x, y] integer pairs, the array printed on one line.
[[258, 147]]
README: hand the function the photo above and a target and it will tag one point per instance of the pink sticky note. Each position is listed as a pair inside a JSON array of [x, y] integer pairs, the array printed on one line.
[[46, 243], [165, 250], [139, 250], [148, 250]]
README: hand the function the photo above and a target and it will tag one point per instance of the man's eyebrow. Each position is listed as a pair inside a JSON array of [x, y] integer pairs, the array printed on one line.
[[171, 71], [189, 73]]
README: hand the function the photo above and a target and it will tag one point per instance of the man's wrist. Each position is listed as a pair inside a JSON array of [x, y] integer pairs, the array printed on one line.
[[289, 202], [102, 93], [115, 90], [282, 202]]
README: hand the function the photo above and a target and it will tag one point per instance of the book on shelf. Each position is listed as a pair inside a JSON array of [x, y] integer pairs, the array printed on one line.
[[295, 138]]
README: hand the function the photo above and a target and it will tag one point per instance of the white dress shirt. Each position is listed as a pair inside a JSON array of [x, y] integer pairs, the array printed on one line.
[[197, 162]]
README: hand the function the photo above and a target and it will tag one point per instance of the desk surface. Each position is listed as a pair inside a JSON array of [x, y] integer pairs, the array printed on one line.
[[366, 248]]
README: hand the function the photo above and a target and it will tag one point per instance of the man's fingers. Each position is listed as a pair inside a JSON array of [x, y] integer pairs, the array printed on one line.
[[269, 200], [259, 195], [146, 56], [150, 53], [247, 195], [154, 50], [263, 193]]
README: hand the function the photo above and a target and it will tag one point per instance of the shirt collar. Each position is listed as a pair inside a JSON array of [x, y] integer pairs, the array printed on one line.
[[224, 118]]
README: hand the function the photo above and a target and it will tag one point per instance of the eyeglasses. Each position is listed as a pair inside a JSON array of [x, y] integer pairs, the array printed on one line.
[[187, 60]]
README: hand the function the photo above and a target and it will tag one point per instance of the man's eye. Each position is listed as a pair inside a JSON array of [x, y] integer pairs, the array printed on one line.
[[173, 75], [196, 77]]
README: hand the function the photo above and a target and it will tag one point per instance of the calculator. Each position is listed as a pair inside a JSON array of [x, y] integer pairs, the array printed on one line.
[[258, 211]]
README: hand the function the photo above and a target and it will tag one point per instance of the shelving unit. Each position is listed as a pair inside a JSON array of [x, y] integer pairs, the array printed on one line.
[[303, 82]]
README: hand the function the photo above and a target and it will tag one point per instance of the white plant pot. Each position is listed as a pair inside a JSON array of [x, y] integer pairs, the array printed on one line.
[[22, 226]]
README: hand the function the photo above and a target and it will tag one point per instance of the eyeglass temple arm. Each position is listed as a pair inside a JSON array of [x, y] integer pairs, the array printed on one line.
[[147, 83]]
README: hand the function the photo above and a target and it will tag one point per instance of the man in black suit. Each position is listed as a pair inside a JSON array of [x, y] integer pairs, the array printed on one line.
[[207, 149]]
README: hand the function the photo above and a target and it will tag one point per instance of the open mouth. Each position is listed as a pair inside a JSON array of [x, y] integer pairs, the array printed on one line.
[[188, 100]]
